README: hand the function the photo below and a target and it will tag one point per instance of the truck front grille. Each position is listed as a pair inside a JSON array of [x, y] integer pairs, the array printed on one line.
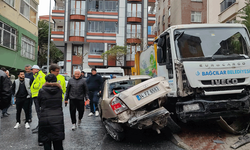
[[209, 82]]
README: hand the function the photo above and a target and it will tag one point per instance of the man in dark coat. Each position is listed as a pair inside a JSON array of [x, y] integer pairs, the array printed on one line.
[[94, 83], [29, 75], [5, 110], [51, 122], [76, 92], [4, 90]]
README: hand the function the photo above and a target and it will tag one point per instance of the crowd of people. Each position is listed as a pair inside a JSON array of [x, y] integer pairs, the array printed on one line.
[[47, 93]]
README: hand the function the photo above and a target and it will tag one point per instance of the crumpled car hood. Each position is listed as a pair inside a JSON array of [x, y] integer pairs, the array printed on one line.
[[145, 92]]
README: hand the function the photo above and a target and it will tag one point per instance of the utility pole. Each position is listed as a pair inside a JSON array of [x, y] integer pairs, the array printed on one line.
[[49, 37]]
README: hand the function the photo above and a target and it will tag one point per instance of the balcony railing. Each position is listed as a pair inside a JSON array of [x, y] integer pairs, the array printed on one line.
[[77, 11], [133, 35], [58, 8], [58, 30], [134, 14]]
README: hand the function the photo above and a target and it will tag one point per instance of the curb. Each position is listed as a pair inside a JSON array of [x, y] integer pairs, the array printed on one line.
[[177, 141]]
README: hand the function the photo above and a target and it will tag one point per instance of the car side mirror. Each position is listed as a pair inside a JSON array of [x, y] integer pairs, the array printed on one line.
[[159, 54]]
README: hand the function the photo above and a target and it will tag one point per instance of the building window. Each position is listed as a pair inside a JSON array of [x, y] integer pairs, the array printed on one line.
[[110, 27], [28, 48], [111, 6], [10, 2], [169, 12], [225, 4], [134, 10], [195, 16], [77, 7], [100, 26], [77, 28], [8, 36], [131, 50], [103, 5], [77, 50], [133, 31], [95, 26], [96, 48], [29, 10]]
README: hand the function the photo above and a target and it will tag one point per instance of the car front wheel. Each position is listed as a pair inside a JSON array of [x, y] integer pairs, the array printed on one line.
[[112, 129]]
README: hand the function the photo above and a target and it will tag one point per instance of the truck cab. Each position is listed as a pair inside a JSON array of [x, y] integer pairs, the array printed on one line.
[[208, 70]]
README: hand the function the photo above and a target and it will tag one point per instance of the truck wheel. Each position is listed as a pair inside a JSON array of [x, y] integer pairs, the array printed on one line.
[[174, 128], [118, 136]]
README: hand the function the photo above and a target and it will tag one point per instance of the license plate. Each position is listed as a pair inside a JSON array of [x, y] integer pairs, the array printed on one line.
[[147, 93], [191, 107]]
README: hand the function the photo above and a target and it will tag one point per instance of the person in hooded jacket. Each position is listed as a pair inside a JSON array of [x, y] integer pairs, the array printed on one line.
[[77, 92], [51, 122]]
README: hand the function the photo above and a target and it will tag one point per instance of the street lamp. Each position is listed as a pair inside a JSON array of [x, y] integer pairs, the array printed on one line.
[[49, 37]]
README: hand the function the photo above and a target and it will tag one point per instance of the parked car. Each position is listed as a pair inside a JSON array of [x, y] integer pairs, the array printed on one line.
[[134, 101]]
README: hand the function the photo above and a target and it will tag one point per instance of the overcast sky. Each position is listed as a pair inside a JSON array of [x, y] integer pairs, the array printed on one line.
[[43, 7]]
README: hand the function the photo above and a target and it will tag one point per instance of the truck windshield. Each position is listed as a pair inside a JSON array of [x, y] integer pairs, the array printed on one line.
[[212, 43]]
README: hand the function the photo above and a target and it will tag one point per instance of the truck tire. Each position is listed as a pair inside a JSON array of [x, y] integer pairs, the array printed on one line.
[[172, 126]]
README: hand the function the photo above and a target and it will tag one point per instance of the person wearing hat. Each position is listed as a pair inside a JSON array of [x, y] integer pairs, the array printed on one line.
[[51, 121], [94, 83], [55, 69], [39, 80]]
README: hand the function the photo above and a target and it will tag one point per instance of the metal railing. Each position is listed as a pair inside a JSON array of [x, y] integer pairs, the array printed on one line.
[[134, 14], [77, 11], [58, 8], [134, 35], [59, 30]]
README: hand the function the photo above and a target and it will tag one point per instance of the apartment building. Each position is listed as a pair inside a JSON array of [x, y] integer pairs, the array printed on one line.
[[18, 33], [174, 12], [87, 28], [224, 11]]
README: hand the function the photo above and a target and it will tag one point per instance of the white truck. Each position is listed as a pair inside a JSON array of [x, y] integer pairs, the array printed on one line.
[[208, 70]]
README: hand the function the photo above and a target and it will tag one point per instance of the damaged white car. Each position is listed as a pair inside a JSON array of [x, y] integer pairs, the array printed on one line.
[[134, 101]]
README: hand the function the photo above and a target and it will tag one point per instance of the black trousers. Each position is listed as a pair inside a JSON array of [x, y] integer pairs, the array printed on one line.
[[22, 103], [35, 99], [73, 105], [93, 105], [57, 145]]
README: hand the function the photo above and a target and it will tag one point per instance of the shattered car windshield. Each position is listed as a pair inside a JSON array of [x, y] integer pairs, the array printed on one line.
[[212, 43], [118, 87]]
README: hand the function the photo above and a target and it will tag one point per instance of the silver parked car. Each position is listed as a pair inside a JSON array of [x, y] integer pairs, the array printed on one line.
[[134, 101]]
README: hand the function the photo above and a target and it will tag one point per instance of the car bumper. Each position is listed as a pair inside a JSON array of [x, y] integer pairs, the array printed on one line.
[[146, 120], [212, 109]]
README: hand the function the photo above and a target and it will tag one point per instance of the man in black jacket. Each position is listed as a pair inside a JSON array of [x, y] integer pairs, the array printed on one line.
[[29, 75], [22, 94], [76, 92], [94, 83], [4, 111], [4, 90]]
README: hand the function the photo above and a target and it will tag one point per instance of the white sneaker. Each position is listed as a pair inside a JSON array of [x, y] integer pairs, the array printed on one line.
[[17, 125], [27, 126], [73, 127], [96, 113], [90, 114]]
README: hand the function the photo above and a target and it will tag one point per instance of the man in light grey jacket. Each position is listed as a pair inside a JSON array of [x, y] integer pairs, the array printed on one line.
[[22, 94]]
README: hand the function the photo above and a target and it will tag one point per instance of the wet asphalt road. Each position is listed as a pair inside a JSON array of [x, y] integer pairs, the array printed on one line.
[[90, 135]]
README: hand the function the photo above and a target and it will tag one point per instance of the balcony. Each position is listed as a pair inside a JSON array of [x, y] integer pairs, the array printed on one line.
[[58, 8], [228, 13], [134, 17], [58, 31], [134, 38]]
